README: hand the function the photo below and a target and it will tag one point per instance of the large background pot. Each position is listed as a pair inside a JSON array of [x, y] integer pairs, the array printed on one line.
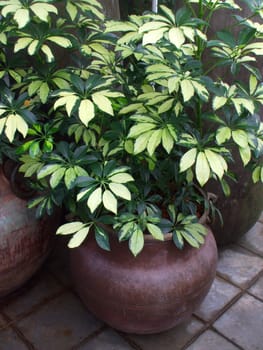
[[151, 293], [24, 241], [240, 210]]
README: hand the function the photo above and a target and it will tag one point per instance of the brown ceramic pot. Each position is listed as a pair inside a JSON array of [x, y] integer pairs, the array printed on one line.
[[24, 241], [151, 293]]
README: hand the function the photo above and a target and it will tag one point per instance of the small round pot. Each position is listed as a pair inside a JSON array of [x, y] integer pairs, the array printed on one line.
[[25, 241], [151, 293]]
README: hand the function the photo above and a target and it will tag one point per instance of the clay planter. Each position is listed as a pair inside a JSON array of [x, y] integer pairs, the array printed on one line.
[[24, 241], [151, 293]]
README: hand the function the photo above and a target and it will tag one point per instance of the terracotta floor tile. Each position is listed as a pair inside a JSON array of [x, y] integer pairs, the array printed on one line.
[[210, 340], [42, 288], [174, 339], [108, 340], [243, 323], [220, 294], [59, 324], [239, 265], [10, 341], [253, 239], [257, 288]]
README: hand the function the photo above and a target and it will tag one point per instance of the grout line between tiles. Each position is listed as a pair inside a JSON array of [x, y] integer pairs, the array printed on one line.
[[89, 337], [34, 309], [130, 341], [11, 325], [250, 250]]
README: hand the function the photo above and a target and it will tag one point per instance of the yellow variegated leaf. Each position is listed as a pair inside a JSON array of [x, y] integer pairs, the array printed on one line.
[[95, 199], [218, 102], [120, 190], [86, 111], [42, 10], [60, 40], [187, 89], [70, 103], [188, 159], [102, 102], [215, 163], [48, 53], [79, 237], [22, 17], [33, 47], [245, 154], [22, 43], [176, 37], [153, 36], [202, 169], [109, 201]]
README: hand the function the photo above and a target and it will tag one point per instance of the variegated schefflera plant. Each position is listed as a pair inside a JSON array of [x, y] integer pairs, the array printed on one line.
[[123, 122]]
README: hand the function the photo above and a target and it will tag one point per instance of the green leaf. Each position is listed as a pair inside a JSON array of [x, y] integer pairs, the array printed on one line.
[[223, 134], [103, 103], [245, 154], [189, 238], [155, 231], [79, 237], [178, 239], [33, 87], [70, 177], [240, 137], [202, 169], [86, 111], [188, 159], [120, 190], [252, 84], [95, 199], [68, 229], [56, 177], [71, 10], [43, 92], [256, 174], [102, 238], [47, 170], [110, 201], [225, 188], [136, 242], [167, 140]]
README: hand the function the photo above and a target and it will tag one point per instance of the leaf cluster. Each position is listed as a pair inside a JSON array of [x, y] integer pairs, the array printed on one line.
[[122, 122]]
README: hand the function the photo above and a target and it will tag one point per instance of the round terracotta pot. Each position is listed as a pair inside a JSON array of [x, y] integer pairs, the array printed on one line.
[[24, 241], [151, 293]]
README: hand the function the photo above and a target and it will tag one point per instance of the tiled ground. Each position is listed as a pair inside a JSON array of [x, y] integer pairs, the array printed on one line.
[[46, 314]]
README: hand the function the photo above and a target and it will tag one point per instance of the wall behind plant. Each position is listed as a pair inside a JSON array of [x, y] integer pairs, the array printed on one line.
[[111, 7]]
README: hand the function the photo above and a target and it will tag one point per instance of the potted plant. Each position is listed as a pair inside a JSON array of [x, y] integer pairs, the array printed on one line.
[[124, 133]]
